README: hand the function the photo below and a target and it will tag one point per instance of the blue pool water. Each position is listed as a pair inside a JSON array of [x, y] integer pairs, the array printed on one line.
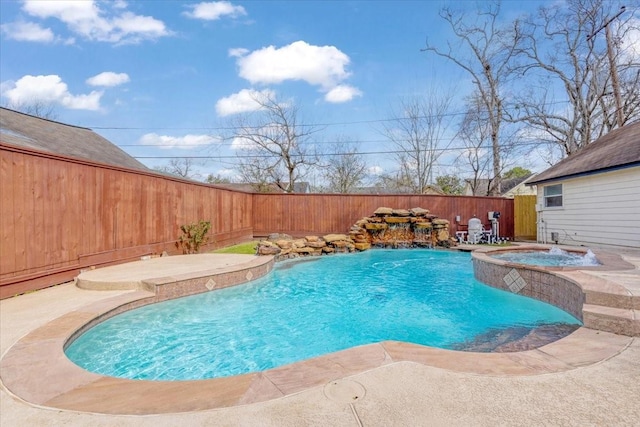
[[306, 309], [554, 257]]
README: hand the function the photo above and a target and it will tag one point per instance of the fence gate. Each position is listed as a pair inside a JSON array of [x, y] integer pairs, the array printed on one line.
[[524, 217]]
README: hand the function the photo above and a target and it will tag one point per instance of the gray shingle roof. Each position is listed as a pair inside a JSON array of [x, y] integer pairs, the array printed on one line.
[[36, 133], [617, 149]]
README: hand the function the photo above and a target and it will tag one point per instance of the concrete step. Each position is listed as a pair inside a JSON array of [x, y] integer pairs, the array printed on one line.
[[622, 321], [610, 299]]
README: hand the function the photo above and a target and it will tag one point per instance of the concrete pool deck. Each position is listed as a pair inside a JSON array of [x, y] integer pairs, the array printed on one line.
[[589, 377]]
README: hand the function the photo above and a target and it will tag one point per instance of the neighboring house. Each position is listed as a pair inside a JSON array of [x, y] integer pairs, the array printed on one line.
[[509, 187], [593, 196], [24, 130], [522, 189]]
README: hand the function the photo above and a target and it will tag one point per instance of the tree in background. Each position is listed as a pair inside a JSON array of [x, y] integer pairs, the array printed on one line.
[[36, 108], [216, 179], [450, 184], [517, 172], [418, 131], [183, 167], [576, 48], [274, 147], [344, 168], [484, 49]]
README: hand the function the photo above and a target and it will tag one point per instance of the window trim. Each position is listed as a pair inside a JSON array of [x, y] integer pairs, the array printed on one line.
[[555, 195]]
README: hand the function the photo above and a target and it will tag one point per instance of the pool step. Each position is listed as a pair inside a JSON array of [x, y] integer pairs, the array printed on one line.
[[623, 321], [619, 299]]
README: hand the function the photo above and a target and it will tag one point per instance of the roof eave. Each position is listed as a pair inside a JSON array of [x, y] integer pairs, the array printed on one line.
[[582, 174]]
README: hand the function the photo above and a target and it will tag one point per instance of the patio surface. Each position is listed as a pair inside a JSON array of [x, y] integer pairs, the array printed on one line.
[[587, 378]]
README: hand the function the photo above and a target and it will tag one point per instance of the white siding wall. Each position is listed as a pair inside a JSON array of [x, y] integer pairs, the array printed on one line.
[[600, 209]]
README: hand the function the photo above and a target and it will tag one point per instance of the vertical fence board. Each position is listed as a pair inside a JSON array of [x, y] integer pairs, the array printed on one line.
[[7, 214], [525, 217], [20, 212]]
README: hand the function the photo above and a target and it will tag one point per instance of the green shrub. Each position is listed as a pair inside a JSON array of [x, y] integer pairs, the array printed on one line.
[[193, 236]]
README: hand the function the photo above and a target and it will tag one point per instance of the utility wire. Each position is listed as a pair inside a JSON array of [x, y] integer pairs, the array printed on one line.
[[327, 124]]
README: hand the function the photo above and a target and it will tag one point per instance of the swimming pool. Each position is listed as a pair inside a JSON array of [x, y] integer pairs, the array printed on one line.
[[306, 309]]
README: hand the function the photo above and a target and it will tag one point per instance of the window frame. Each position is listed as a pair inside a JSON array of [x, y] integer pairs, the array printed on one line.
[[555, 200]]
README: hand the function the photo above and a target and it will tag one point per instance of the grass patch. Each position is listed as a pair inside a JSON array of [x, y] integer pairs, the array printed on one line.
[[247, 248]]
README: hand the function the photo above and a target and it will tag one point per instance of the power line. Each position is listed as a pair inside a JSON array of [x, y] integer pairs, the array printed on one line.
[[364, 153], [515, 106]]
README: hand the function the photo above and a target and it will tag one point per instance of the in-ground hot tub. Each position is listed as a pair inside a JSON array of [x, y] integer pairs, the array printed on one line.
[[598, 303], [554, 257]]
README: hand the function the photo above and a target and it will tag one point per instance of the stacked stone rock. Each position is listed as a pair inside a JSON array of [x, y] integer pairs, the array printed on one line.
[[387, 228], [401, 227], [285, 246]]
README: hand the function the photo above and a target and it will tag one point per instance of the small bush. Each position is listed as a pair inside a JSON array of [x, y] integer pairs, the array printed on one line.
[[193, 236]]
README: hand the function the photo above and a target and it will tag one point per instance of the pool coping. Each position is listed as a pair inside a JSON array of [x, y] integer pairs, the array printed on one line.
[[36, 370]]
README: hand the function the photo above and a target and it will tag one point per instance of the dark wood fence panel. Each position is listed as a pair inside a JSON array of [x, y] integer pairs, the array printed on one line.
[[59, 215], [300, 214]]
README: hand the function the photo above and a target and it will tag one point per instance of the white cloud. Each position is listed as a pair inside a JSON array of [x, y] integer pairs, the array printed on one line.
[[316, 65], [342, 93], [27, 32], [212, 11], [241, 143], [269, 132], [108, 79], [49, 89], [323, 66], [238, 51], [631, 42], [184, 142], [227, 173], [86, 19], [376, 170], [242, 102]]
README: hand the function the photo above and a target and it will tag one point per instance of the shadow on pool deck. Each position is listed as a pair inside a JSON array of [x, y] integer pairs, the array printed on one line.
[[35, 369]]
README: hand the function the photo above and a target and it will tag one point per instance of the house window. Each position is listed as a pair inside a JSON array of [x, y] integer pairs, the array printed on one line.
[[553, 196]]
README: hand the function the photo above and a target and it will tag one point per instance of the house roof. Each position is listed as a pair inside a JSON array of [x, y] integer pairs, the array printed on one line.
[[41, 134], [482, 188], [617, 149]]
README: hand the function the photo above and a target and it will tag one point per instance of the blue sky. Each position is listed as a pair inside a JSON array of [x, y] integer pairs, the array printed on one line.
[[160, 78]]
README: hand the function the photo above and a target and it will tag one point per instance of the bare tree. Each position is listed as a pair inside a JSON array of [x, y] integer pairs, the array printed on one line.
[[344, 168], [37, 108], [182, 167], [217, 179], [274, 146], [395, 181], [563, 53], [475, 134], [418, 131], [477, 157], [485, 50], [259, 170]]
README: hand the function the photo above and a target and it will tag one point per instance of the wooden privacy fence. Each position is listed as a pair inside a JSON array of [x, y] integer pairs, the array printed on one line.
[[300, 214], [59, 215], [524, 213]]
